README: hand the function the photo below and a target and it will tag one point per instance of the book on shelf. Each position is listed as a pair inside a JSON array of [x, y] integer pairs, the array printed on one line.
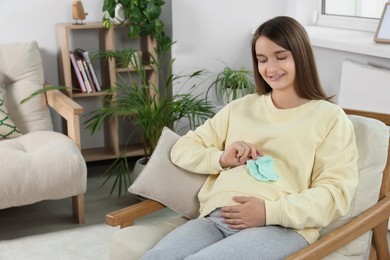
[[91, 70], [89, 76], [77, 72], [82, 70]]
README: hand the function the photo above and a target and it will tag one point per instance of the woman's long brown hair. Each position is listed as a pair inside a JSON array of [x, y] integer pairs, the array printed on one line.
[[290, 35]]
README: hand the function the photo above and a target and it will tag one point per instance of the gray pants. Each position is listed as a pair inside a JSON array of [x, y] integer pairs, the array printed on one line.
[[210, 238]]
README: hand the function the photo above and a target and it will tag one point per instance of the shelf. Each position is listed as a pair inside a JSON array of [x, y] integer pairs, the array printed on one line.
[[92, 94], [112, 147], [130, 69], [91, 25]]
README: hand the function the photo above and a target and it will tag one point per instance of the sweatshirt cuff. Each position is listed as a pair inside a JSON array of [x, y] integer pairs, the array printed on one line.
[[215, 155], [273, 212]]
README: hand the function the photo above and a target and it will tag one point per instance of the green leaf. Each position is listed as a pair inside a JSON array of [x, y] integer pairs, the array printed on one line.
[[109, 6], [135, 16], [134, 31], [41, 91], [152, 11]]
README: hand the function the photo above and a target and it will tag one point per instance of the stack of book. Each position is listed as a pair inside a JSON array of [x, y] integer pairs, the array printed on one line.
[[84, 71]]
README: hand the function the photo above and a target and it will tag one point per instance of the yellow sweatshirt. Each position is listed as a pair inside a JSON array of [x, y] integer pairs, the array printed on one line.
[[314, 152]]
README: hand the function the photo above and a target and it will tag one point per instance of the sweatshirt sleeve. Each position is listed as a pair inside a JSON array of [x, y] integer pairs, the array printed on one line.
[[199, 151], [332, 187]]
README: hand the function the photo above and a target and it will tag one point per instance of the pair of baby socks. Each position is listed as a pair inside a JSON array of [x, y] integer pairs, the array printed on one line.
[[262, 168]]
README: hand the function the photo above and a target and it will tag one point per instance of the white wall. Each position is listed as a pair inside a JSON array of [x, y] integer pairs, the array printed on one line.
[[211, 33], [206, 31], [26, 20]]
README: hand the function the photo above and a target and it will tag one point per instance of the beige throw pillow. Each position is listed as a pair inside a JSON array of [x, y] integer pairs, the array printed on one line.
[[167, 183], [7, 127]]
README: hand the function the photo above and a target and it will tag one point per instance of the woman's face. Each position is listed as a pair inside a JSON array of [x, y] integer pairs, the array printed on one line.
[[275, 64]]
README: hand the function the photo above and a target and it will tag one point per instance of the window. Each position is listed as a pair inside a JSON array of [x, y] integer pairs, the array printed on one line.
[[350, 14], [354, 8]]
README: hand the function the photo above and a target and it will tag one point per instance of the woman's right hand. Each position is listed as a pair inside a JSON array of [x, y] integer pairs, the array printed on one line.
[[238, 153]]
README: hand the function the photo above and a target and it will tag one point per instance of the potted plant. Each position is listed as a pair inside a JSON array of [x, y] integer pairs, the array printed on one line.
[[230, 84], [141, 16], [150, 108], [123, 58]]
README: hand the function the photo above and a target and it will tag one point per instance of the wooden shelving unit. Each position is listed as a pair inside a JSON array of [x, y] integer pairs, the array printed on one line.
[[112, 147]]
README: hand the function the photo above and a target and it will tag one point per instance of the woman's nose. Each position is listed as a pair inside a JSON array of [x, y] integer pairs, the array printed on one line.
[[271, 66]]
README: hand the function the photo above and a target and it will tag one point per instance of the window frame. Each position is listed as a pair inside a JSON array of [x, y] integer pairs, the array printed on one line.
[[345, 22]]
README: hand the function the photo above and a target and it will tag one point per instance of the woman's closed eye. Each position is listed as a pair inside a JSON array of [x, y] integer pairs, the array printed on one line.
[[264, 60], [281, 57]]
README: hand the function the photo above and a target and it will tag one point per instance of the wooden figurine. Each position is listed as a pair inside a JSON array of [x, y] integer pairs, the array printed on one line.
[[78, 12]]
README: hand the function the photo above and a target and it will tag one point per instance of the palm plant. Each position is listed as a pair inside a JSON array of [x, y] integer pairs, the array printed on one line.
[[230, 84], [122, 57], [150, 108]]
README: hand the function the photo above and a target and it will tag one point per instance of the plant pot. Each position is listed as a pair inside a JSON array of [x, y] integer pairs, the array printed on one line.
[[120, 15], [136, 59], [228, 96], [138, 167]]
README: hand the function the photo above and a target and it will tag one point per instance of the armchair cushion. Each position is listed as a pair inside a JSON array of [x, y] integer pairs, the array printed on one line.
[[21, 75], [38, 166], [132, 243], [7, 127], [372, 141], [166, 183]]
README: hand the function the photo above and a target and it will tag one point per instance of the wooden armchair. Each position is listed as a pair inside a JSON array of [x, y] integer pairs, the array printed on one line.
[[37, 163], [374, 218]]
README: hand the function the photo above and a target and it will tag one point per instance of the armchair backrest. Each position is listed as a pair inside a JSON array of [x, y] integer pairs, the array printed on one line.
[[372, 138], [21, 72]]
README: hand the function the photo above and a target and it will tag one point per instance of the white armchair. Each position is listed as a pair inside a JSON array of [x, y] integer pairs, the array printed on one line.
[[36, 163], [361, 234]]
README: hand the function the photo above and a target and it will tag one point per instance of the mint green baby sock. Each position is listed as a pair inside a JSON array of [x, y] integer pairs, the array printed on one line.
[[262, 168]]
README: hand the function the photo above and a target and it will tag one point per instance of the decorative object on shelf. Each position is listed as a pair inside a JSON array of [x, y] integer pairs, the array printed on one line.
[[382, 34], [120, 15], [142, 18], [150, 108], [123, 58], [78, 13], [231, 84]]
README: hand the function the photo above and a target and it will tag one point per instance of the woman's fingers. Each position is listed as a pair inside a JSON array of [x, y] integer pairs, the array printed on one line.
[[246, 151], [238, 153]]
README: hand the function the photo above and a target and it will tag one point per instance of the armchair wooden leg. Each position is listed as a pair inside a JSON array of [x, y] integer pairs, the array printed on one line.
[[372, 255], [78, 208], [380, 241]]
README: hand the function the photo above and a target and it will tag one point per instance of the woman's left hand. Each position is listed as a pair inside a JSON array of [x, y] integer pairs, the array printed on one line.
[[250, 213]]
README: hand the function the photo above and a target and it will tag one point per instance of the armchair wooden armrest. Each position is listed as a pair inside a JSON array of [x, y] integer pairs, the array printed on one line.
[[69, 110], [375, 218], [125, 217]]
